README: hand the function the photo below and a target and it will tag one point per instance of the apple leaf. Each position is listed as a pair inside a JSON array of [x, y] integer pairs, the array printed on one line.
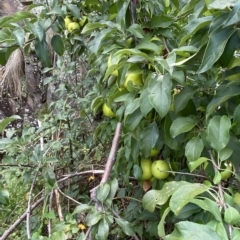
[[194, 148]]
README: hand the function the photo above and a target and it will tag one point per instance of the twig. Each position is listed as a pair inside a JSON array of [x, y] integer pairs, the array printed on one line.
[[20, 219], [50, 208], [110, 161], [165, 45], [66, 196], [87, 233], [59, 208], [29, 205], [220, 190]]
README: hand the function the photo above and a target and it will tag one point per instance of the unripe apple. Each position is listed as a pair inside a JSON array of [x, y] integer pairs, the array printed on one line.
[[107, 111], [83, 21], [135, 79], [67, 20], [73, 26]]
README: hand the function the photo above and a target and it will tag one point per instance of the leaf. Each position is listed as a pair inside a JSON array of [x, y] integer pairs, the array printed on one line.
[[6, 121], [215, 47], [161, 21], [149, 137], [225, 154], [58, 236], [113, 189], [145, 105], [126, 226], [161, 225], [184, 195], [236, 121], [81, 208], [57, 44], [102, 192], [103, 230], [235, 234], [217, 177], [37, 30], [219, 228], [159, 197], [4, 197], [19, 35], [148, 45], [223, 94], [181, 99], [93, 217], [137, 31], [160, 93], [181, 125], [221, 4], [193, 26], [218, 132], [132, 121], [210, 206], [231, 215], [193, 165], [193, 149], [194, 231], [74, 10], [42, 52]]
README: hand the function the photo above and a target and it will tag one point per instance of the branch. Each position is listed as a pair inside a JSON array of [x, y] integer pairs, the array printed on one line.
[[110, 161], [29, 205]]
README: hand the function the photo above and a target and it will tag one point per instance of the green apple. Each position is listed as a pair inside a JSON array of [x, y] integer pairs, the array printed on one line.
[[107, 111], [146, 169], [129, 42], [157, 167], [73, 26], [83, 21], [154, 152], [236, 198], [227, 172], [67, 21], [135, 79]]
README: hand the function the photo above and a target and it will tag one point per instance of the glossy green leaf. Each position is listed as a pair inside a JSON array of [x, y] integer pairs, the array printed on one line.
[[194, 164], [160, 94], [136, 30], [181, 99], [223, 94], [217, 42], [184, 195], [219, 228], [210, 206], [225, 154], [89, 27], [194, 231], [102, 192], [145, 105], [181, 125], [132, 120], [193, 149], [221, 4], [171, 142], [161, 21], [149, 137], [159, 197], [42, 52], [193, 27], [148, 45], [236, 121], [218, 132], [74, 10], [57, 44]]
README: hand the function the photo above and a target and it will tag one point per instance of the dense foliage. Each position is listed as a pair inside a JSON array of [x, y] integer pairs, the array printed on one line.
[[168, 71]]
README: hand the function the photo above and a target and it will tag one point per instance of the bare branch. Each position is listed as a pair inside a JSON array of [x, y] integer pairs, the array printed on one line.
[[59, 208]]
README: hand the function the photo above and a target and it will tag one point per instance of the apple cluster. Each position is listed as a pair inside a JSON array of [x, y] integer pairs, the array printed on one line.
[[72, 23]]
